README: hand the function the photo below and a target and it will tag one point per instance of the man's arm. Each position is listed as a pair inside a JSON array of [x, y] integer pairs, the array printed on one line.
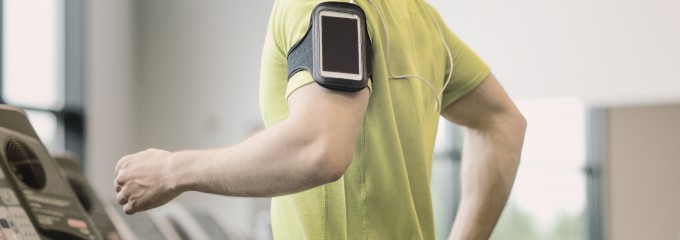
[[314, 146], [494, 133]]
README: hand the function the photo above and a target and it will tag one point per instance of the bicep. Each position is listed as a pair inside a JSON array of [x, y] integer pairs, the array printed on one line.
[[482, 106], [339, 108], [330, 117]]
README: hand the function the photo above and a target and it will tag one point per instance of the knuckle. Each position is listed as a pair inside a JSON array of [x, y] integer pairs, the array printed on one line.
[[125, 164], [121, 179], [127, 210], [124, 193], [124, 159], [129, 207], [122, 163]]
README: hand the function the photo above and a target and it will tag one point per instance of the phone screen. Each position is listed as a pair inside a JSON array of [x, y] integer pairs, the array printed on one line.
[[340, 44]]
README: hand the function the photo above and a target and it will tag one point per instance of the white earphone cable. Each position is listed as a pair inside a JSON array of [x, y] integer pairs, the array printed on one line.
[[389, 67]]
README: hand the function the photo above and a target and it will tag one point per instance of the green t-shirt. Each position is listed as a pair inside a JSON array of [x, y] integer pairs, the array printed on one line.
[[385, 192]]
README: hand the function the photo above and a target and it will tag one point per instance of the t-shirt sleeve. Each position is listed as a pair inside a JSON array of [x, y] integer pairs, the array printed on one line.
[[468, 72], [303, 78], [289, 27]]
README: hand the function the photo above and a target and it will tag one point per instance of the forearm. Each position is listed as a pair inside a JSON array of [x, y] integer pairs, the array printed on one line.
[[313, 146], [490, 160], [273, 162]]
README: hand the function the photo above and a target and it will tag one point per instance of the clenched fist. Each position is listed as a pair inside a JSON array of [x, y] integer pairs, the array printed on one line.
[[145, 180]]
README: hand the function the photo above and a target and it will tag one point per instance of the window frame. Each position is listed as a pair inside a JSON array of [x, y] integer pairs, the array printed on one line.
[[70, 118], [596, 155]]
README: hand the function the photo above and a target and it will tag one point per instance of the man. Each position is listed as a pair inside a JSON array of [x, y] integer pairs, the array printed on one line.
[[355, 165]]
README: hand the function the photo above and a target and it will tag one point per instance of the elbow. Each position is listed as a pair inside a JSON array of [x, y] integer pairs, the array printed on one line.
[[511, 125], [514, 122], [507, 130], [521, 123], [330, 173], [330, 163], [518, 132]]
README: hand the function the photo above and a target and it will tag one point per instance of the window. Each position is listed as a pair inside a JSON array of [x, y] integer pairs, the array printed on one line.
[[556, 194], [548, 200], [42, 68], [445, 177]]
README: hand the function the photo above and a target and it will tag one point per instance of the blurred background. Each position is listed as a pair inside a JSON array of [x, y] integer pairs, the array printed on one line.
[[598, 81]]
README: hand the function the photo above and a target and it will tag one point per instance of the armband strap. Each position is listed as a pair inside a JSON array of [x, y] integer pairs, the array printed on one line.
[[306, 54]]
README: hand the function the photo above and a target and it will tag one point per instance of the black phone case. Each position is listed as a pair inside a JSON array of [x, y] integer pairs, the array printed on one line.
[[305, 55]]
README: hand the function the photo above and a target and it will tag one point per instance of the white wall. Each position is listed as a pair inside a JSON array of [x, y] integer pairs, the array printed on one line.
[[110, 95], [607, 51], [197, 78], [173, 75], [198, 71]]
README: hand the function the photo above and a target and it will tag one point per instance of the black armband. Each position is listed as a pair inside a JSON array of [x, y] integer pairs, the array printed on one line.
[[336, 49]]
